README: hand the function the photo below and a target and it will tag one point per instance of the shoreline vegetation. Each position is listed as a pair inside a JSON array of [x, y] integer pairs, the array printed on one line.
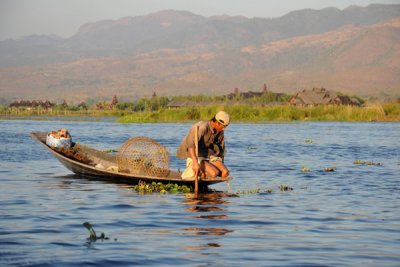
[[384, 112]]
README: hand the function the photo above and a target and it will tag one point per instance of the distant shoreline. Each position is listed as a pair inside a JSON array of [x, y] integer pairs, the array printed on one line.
[[389, 112]]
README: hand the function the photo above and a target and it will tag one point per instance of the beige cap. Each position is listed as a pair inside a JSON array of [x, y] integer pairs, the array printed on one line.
[[222, 117]]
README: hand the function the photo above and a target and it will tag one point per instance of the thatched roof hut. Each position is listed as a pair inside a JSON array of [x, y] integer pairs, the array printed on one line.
[[320, 96]]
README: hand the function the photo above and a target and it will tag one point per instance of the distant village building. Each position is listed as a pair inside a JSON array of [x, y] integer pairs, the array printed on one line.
[[320, 96], [234, 97], [248, 94], [64, 104], [99, 106], [114, 102], [104, 106], [32, 104], [82, 105], [265, 89]]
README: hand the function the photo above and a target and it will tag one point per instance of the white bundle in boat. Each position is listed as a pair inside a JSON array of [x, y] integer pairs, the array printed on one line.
[[59, 139]]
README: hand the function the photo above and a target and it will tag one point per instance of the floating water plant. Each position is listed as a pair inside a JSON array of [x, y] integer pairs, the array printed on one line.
[[305, 169], [330, 169], [251, 191], [110, 150], [360, 162], [93, 236], [161, 188], [284, 187]]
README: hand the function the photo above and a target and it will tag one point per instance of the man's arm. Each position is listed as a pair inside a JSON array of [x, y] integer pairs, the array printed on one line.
[[191, 147], [195, 161]]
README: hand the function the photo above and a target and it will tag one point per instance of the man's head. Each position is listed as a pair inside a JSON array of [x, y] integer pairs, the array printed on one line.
[[221, 119]]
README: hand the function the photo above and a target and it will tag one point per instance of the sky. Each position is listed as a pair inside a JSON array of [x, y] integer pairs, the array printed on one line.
[[20, 18]]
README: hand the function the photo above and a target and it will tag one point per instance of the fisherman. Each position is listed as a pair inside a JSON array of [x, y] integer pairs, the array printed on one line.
[[211, 148]]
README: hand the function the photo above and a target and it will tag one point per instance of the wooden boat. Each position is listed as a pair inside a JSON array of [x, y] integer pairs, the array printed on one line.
[[102, 165]]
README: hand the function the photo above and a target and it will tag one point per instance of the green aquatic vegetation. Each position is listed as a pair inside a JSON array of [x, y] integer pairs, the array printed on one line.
[[281, 187], [374, 163], [243, 112], [284, 187], [309, 141], [305, 169], [330, 169], [250, 191], [161, 188], [110, 150], [360, 162], [93, 236], [156, 110], [254, 191]]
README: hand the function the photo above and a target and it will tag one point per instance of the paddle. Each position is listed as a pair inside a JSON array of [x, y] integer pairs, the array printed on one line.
[[196, 178]]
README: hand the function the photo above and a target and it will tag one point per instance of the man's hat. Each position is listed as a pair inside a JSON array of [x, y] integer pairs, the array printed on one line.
[[222, 117]]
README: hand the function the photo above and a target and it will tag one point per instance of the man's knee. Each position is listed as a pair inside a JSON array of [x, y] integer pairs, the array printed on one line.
[[213, 173], [224, 173]]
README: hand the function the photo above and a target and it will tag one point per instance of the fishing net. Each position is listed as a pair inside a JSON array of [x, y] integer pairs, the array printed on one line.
[[143, 156]]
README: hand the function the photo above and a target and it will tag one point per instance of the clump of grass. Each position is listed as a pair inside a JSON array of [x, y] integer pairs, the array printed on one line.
[[360, 162], [93, 236], [110, 151], [392, 111], [251, 191], [254, 191], [284, 187], [161, 188], [242, 112], [305, 169]]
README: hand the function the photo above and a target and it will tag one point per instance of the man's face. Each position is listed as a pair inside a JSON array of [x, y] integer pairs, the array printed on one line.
[[219, 126]]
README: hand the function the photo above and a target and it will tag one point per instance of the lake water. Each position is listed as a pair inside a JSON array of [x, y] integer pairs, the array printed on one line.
[[349, 217]]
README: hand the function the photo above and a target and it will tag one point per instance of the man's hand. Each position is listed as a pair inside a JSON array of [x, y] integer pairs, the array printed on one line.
[[195, 161], [196, 168]]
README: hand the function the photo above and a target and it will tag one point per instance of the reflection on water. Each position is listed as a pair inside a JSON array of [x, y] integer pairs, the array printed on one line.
[[207, 231], [207, 202], [349, 217], [209, 206]]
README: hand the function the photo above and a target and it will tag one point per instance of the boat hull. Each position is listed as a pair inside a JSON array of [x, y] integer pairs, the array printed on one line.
[[91, 171]]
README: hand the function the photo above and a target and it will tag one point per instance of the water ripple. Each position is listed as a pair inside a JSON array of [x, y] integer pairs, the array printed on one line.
[[349, 217]]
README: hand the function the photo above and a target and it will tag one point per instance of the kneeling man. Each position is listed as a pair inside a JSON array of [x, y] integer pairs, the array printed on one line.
[[211, 148]]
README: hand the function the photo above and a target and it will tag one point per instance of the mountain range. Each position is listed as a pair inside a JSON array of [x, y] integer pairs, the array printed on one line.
[[355, 51]]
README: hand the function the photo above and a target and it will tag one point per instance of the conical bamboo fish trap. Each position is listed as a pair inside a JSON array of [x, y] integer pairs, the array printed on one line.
[[143, 156]]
